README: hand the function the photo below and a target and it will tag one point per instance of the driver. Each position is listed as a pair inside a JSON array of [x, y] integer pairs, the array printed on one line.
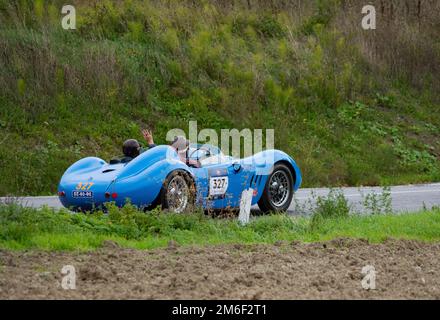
[[181, 145]]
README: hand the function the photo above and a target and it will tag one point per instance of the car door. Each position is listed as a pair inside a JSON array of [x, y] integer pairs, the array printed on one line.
[[225, 183]]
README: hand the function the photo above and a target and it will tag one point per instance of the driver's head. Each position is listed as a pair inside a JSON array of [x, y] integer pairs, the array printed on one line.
[[131, 148], [180, 144]]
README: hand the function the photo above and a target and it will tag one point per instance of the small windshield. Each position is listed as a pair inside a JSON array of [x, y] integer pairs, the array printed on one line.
[[207, 154], [202, 151]]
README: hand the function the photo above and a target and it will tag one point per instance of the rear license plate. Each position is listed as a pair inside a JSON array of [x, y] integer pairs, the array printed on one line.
[[82, 194]]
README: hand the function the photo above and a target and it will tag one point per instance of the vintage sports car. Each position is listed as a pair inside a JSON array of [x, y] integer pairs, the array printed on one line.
[[205, 178]]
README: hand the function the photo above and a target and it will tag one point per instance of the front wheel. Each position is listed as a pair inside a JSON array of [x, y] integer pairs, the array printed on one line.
[[178, 192], [278, 191]]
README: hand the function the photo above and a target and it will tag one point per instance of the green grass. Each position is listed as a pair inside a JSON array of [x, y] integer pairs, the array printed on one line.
[[25, 228], [347, 116]]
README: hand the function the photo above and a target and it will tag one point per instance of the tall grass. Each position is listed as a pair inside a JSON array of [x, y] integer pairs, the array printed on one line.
[[27, 228], [352, 106]]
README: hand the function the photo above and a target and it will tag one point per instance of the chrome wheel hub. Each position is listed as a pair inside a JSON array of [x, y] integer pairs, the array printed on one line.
[[279, 189], [177, 194]]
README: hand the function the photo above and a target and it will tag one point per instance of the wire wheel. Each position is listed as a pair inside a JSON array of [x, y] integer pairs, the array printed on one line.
[[279, 189], [177, 194]]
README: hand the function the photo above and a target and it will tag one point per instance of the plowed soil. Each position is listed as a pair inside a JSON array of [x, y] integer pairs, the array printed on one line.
[[330, 270]]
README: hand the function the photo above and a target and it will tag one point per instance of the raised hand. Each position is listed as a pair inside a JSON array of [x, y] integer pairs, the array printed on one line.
[[148, 136]]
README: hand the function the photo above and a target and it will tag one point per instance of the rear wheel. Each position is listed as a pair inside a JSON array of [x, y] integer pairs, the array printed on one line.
[[178, 192], [278, 191]]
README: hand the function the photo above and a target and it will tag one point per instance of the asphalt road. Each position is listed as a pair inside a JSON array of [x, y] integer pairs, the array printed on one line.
[[404, 198]]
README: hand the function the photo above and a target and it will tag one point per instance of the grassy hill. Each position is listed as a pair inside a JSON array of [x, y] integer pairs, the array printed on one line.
[[351, 106]]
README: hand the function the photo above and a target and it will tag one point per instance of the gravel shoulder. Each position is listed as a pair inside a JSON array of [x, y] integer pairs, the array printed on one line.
[[330, 270]]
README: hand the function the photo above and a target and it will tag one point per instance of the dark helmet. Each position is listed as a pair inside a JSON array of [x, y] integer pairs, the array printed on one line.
[[131, 148], [180, 144]]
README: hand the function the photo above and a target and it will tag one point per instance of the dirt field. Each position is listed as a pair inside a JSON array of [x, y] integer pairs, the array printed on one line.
[[405, 269]]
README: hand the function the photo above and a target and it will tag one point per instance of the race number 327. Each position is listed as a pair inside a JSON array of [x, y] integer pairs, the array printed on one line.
[[218, 185]]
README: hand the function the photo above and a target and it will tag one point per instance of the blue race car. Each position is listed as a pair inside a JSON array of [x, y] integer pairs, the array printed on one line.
[[158, 176]]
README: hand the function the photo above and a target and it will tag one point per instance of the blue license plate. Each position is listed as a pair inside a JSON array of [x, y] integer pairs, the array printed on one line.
[[82, 194]]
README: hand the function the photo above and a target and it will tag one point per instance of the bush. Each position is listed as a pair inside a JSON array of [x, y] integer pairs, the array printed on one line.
[[268, 26], [334, 205], [378, 203]]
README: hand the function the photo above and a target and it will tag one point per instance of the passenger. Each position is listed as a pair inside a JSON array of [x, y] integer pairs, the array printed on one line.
[[131, 148]]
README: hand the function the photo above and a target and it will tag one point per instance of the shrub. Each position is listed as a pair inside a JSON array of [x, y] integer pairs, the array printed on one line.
[[268, 26], [374, 203], [334, 205]]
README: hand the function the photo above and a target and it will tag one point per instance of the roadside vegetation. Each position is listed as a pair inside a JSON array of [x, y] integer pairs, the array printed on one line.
[[49, 229], [353, 107]]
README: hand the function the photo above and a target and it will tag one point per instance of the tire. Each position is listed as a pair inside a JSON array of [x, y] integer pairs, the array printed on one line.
[[178, 192], [278, 191]]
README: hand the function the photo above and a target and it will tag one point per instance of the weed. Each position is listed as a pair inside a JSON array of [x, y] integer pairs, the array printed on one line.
[[334, 205], [374, 203]]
